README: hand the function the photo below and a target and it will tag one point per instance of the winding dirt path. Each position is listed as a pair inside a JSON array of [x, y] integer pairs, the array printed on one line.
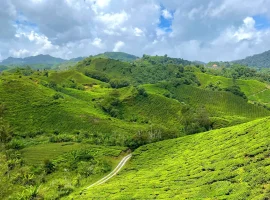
[[113, 173]]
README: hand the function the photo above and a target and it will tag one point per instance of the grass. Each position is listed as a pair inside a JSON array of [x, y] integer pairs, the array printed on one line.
[[253, 89], [35, 155], [220, 104], [230, 163]]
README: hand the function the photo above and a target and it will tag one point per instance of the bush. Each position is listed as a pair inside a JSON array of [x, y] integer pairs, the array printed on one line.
[[58, 96], [119, 83], [61, 138], [236, 91], [142, 92], [49, 167], [97, 75], [15, 144]]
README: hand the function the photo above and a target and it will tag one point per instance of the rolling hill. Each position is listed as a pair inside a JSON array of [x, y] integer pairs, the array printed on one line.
[[40, 62], [117, 56], [259, 60], [61, 130], [231, 163]]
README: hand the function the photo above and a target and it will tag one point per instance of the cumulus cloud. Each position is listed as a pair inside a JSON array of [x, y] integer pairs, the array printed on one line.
[[166, 14], [199, 30], [118, 45]]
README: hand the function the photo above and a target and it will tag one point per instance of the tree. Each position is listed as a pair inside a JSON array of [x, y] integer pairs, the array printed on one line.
[[119, 83]]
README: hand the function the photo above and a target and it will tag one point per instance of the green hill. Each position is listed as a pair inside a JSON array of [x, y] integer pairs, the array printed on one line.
[[231, 163], [259, 60], [118, 56], [40, 62], [63, 129], [255, 90], [149, 69]]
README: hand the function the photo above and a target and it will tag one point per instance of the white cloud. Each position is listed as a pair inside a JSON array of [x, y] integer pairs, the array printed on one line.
[[118, 45], [98, 43], [113, 20], [138, 32], [19, 53], [201, 30], [166, 14]]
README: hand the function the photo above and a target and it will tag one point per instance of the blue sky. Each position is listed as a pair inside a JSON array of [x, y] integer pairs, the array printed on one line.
[[262, 21], [165, 23]]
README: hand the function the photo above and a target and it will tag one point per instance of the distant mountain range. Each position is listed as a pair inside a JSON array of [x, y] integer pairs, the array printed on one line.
[[47, 61], [259, 60], [39, 61]]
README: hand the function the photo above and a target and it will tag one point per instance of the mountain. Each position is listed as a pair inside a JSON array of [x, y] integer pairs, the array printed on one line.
[[259, 60], [78, 59], [118, 56], [40, 62], [39, 59], [2, 68], [199, 62]]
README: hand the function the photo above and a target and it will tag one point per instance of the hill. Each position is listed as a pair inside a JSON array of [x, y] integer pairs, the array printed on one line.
[[259, 60], [41, 62], [61, 130], [39, 59], [118, 56], [231, 163], [255, 91]]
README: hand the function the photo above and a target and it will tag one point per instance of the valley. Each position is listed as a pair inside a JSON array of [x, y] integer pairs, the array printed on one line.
[[193, 132]]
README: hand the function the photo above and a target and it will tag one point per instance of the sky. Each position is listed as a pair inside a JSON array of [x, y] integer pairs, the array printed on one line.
[[203, 30]]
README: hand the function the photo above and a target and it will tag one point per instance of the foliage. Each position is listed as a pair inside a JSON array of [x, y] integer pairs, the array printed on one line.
[[117, 56], [195, 120], [231, 163], [49, 167], [119, 83], [236, 90], [259, 60]]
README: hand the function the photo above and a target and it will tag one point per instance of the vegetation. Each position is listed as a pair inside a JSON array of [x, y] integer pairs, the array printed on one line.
[[231, 163], [260, 60], [118, 56], [63, 129]]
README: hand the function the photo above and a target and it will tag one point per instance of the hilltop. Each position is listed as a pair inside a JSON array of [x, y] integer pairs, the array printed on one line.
[[39, 61], [259, 60], [118, 56]]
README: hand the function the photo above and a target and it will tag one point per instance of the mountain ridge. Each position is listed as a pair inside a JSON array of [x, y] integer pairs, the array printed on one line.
[[261, 60]]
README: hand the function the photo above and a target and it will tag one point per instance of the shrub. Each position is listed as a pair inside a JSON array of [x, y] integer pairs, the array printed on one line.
[[97, 75], [236, 91], [49, 167], [15, 144], [61, 138], [119, 83], [58, 96], [142, 91]]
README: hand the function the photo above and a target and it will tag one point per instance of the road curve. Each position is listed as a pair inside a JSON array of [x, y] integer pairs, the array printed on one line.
[[113, 173]]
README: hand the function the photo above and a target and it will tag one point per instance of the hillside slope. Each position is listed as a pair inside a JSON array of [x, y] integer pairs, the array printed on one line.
[[258, 60], [231, 163], [118, 56], [254, 90]]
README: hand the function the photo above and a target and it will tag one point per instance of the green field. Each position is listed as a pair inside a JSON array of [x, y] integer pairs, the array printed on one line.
[[231, 163]]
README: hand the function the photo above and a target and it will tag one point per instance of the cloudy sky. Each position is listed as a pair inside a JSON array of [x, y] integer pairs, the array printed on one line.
[[195, 29]]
